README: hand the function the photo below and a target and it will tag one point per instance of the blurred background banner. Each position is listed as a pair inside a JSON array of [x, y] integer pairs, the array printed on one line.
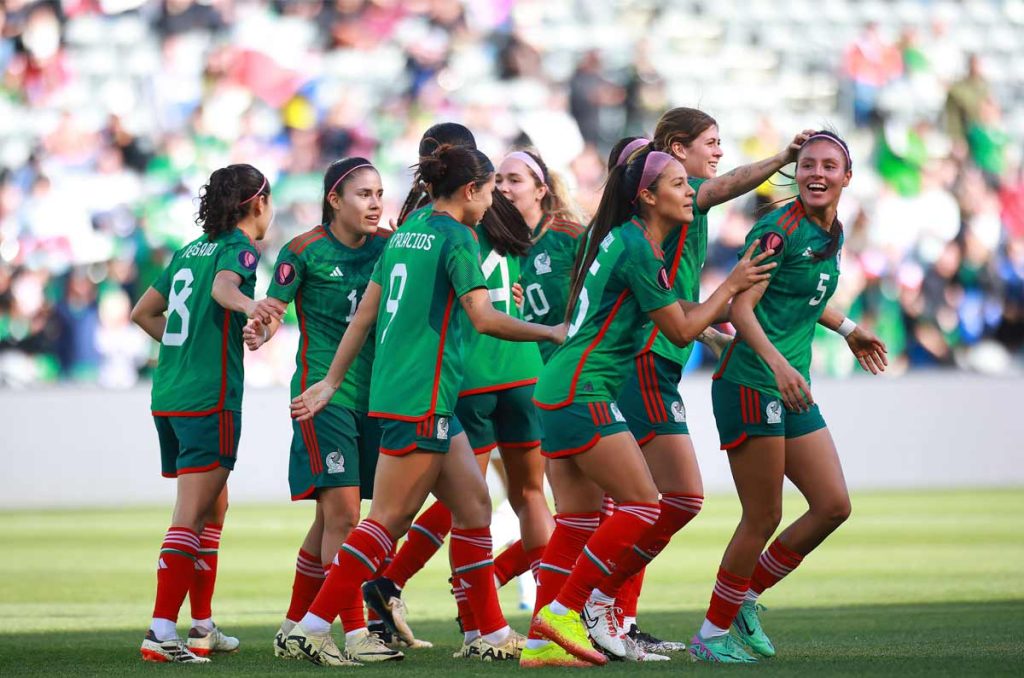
[[114, 112]]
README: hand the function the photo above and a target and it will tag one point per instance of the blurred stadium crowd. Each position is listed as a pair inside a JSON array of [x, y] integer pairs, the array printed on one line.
[[114, 112]]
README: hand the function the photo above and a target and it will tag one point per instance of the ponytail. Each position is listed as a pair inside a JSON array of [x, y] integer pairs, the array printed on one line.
[[227, 198], [442, 133]]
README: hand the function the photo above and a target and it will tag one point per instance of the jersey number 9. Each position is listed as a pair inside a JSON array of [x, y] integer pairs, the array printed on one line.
[[396, 288], [176, 307]]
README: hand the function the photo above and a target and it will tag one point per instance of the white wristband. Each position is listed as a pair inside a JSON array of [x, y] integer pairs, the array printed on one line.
[[846, 327]]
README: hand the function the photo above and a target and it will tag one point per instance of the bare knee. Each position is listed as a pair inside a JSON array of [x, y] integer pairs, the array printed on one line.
[[472, 510], [396, 522], [835, 511], [341, 522], [764, 522], [526, 497]]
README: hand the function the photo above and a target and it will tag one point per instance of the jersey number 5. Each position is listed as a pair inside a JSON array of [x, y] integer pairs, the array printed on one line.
[[822, 289], [396, 288], [176, 307]]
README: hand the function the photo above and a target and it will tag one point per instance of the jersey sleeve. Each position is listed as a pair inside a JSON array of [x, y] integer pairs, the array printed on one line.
[[240, 258], [377, 275], [647, 278], [163, 282], [772, 236], [462, 262], [289, 271], [695, 184]]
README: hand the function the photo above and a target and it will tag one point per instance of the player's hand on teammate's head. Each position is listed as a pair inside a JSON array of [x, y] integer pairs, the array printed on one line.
[[795, 391], [751, 270], [869, 350], [315, 398], [799, 140]]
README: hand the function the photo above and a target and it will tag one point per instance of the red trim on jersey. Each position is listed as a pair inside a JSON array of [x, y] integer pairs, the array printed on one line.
[[725, 361], [398, 453], [641, 379], [736, 443], [583, 358], [790, 219], [305, 494], [655, 247], [573, 450], [519, 446], [647, 438], [304, 342], [570, 228], [382, 232], [498, 387], [485, 449], [655, 390], [300, 242], [169, 475], [312, 445], [744, 408], [440, 346], [197, 469], [673, 271], [757, 405]]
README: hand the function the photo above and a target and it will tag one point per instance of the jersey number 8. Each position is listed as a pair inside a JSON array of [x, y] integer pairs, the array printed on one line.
[[176, 306]]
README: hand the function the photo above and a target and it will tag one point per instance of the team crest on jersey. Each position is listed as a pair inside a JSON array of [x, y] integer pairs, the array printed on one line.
[[542, 263], [615, 412], [772, 241], [678, 412], [284, 274], [774, 412], [663, 279], [247, 259], [335, 462], [442, 428]]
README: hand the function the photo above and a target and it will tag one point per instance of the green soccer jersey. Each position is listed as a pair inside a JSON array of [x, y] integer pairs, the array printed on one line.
[[625, 282], [547, 274], [429, 263], [492, 364], [800, 288], [326, 279], [686, 248], [200, 371]]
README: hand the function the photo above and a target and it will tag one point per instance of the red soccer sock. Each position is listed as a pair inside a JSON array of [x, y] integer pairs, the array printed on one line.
[[726, 598], [572, 530], [200, 593], [175, 570], [473, 568], [467, 620], [425, 537], [629, 594], [772, 566], [676, 511], [511, 563], [608, 506], [604, 549], [309, 577], [533, 557], [358, 559]]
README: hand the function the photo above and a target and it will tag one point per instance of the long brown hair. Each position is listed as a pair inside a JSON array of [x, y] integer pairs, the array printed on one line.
[[682, 125]]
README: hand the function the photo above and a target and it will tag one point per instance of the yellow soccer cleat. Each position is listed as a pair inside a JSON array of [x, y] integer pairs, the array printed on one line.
[[568, 631], [550, 655]]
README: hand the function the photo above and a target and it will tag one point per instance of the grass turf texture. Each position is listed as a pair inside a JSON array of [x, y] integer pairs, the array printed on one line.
[[914, 584]]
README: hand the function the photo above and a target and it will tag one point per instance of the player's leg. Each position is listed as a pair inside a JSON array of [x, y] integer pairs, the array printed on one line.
[[310, 573], [205, 637], [461, 486]]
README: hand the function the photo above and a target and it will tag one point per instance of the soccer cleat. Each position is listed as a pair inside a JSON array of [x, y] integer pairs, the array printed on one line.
[[599, 618], [173, 651], [364, 646], [651, 644], [508, 650], [748, 626], [384, 598], [468, 650], [380, 630], [568, 631], [720, 649], [636, 653], [317, 648], [551, 654], [205, 644], [280, 648]]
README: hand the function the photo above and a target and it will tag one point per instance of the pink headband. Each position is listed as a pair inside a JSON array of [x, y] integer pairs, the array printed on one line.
[[631, 148], [365, 164], [525, 158], [654, 164], [256, 194], [835, 141]]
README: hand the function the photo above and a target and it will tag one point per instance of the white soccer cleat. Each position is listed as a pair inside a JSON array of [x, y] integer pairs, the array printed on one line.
[[214, 640], [508, 650], [368, 647], [172, 651], [280, 648], [599, 618], [317, 648]]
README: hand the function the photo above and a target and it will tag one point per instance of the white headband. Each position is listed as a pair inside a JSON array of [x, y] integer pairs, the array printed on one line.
[[525, 158]]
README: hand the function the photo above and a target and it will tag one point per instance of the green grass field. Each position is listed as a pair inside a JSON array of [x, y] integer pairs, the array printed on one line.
[[915, 584]]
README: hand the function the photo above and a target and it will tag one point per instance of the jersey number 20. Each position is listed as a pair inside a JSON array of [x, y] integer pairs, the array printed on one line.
[[176, 307]]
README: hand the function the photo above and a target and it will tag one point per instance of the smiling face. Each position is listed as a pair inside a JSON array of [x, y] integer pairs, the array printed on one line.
[[517, 183], [672, 197], [358, 207], [478, 199], [703, 154], [821, 173]]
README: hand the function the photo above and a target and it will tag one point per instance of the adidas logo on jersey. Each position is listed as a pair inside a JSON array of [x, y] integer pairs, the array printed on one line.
[[808, 252], [336, 273]]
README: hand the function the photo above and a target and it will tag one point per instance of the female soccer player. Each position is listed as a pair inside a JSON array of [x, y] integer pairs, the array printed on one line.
[[619, 282], [767, 419], [650, 400], [417, 371], [206, 292], [325, 272]]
